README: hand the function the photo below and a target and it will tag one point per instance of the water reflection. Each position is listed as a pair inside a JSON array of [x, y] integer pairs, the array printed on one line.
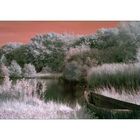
[[69, 93]]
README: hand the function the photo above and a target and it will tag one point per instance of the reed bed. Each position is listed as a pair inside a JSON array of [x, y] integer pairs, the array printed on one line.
[[129, 96], [118, 76]]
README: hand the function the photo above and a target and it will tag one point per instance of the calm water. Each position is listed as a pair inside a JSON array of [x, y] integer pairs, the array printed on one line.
[[64, 92]]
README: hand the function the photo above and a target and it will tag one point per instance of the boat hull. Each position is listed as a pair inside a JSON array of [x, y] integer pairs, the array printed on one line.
[[109, 108]]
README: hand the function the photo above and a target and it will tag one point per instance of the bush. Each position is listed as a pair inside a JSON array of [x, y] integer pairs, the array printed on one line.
[[3, 60], [46, 70], [72, 72], [15, 69], [29, 70], [4, 72]]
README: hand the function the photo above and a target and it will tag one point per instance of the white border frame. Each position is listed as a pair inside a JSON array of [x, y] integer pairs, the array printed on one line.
[[65, 10]]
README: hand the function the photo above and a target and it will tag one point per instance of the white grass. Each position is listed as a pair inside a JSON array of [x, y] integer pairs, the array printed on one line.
[[113, 68], [36, 109], [17, 101], [22, 88]]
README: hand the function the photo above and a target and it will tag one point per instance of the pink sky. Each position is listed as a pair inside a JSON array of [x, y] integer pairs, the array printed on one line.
[[22, 31]]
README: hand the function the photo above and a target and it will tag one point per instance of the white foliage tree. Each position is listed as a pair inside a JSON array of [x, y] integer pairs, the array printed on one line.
[[29, 70], [15, 69], [4, 72], [3, 59]]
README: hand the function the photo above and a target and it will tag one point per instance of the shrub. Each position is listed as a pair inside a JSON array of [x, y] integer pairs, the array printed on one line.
[[4, 72], [72, 71], [15, 69], [78, 50], [29, 70], [3, 60], [46, 70]]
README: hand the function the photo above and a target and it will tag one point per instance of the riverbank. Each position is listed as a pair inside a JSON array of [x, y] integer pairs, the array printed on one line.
[[39, 76], [46, 75]]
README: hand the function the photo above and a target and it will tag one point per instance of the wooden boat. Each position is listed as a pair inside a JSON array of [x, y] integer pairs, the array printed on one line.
[[109, 108]]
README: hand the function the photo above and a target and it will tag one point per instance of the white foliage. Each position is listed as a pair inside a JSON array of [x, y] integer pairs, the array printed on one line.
[[9, 47], [36, 109], [72, 71], [77, 50], [29, 70], [15, 69], [4, 71]]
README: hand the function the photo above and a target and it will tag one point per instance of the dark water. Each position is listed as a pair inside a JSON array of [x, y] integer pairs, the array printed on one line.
[[69, 93]]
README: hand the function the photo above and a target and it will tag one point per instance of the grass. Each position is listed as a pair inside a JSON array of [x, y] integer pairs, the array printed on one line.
[[20, 90], [36, 109], [21, 100], [132, 97], [118, 76]]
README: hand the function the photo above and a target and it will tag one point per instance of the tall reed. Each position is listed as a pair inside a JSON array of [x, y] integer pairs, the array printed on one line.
[[119, 76]]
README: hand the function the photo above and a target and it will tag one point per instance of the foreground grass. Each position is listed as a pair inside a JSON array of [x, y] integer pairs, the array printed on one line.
[[36, 109], [22, 101]]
